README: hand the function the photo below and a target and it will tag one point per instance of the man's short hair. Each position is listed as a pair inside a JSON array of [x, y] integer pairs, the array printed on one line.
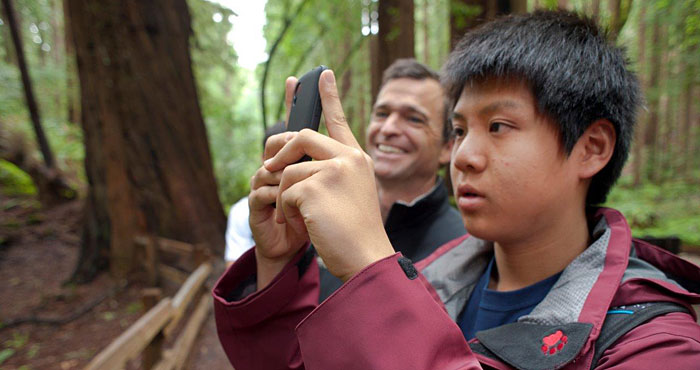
[[574, 73], [410, 68]]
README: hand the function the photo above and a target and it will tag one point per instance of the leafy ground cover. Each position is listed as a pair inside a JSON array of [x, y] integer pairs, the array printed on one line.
[[671, 208]]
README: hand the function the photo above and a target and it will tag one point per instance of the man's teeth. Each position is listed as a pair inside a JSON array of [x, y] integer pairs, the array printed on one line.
[[389, 149]]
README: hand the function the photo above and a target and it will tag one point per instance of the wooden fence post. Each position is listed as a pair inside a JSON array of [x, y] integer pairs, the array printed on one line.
[[152, 353]]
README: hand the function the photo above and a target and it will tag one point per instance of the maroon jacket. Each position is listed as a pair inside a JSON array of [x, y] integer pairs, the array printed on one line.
[[389, 316]]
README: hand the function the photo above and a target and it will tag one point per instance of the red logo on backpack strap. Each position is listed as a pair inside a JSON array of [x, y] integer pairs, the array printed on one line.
[[553, 343]]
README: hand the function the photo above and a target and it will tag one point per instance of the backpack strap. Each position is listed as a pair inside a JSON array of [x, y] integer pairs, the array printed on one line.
[[622, 319]]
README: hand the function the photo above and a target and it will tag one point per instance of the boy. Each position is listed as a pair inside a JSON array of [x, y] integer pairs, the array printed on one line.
[[543, 109]]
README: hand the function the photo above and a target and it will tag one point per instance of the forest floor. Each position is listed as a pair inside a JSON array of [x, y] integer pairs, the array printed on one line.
[[38, 250]]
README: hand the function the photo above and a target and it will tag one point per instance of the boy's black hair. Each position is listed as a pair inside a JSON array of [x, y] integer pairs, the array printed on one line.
[[575, 74], [411, 68]]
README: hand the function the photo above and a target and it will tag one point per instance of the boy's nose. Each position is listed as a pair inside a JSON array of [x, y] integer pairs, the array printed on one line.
[[470, 155]]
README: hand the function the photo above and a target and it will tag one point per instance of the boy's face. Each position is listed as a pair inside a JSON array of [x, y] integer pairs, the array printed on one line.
[[510, 174], [404, 137]]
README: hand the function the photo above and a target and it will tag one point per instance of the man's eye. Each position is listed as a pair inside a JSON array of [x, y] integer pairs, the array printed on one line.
[[458, 132], [415, 119], [380, 114]]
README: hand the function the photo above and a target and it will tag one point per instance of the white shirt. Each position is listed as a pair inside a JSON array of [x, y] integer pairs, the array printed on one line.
[[239, 238]]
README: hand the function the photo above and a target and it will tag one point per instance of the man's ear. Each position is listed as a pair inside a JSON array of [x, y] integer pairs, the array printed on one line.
[[446, 152], [595, 147]]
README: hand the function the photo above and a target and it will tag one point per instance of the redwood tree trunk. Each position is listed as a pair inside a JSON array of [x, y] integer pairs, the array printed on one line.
[[652, 128], [637, 159], [396, 37], [146, 151], [467, 14]]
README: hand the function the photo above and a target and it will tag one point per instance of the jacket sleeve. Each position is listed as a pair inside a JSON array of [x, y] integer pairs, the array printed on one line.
[[385, 317], [671, 341], [257, 330]]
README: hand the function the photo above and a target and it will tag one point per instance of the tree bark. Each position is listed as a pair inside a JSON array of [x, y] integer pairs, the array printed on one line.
[[426, 33], [637, 150], [651, 132], [72, 96], [595, 9], [147, 155], [619, 13], [395, 38], [467, 14], [687, 116]]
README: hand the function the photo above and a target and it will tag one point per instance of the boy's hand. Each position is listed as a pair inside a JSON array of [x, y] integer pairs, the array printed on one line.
[[333, 198], [275, 244]]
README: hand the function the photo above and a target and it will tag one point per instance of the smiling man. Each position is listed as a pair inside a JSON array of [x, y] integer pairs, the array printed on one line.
[[408, 139]]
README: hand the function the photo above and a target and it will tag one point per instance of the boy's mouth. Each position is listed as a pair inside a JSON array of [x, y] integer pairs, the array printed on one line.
[[469, 198], [468, 191]]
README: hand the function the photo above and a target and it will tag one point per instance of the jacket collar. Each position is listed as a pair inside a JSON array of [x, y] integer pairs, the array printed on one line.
[[402, 215], [573, 312]]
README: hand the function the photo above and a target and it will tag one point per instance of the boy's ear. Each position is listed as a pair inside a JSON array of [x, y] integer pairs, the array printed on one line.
[[595, 148]]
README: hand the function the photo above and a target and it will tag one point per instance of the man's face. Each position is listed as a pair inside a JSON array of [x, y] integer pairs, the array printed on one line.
[[511, 176], [404, 137]]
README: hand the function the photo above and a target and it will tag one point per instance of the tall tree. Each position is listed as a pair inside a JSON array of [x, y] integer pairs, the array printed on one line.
[[72, 98], [146, 150], [595, 9], [619, 13], [27, 83], [687, 115], [467, 14], [395, 39], [288, 21], [652, 128], [641, 122], [49, 181]]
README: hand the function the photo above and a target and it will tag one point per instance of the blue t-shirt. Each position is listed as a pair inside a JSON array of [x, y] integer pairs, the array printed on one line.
[[488, 308]]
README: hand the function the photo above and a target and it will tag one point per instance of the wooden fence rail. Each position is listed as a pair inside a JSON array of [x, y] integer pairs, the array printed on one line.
[[160, 322]]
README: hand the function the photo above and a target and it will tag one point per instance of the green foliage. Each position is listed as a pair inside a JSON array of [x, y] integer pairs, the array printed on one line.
[[18, 340], [42, 34], [5, 354], [15, 181], [227, 100], [462, 12], [668, 209], [134, 307]]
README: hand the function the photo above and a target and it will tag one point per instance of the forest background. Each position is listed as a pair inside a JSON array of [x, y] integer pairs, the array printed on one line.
[[658, 191], [171, 148]]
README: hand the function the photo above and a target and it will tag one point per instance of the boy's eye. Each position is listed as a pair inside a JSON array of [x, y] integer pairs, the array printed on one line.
[[380, 114], [497, 127], [458, 132]]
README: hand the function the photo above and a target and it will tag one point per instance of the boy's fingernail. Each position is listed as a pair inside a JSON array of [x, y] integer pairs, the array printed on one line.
[[267, 162], [329, 76]]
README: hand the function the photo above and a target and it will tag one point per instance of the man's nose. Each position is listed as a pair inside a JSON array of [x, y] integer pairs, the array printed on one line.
[[391, 124], [471, 154]]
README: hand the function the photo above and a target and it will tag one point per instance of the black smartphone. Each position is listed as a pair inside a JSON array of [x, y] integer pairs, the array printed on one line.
[[305, 111]]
